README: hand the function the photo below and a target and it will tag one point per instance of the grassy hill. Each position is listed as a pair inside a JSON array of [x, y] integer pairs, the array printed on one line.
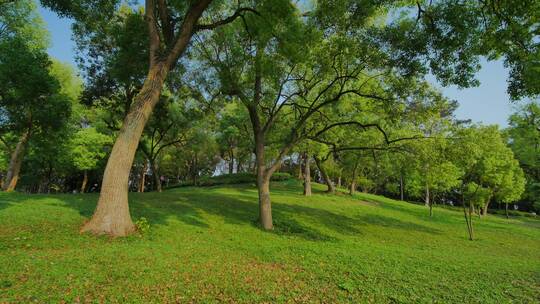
[[204, 247]]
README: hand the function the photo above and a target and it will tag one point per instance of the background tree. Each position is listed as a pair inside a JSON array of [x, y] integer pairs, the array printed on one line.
[[524, 139], [88, 148]]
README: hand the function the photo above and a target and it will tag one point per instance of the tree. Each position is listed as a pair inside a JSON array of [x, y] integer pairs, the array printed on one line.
[[88, 148], [524, 139], [32, 100], [489, 170], [170, 28]]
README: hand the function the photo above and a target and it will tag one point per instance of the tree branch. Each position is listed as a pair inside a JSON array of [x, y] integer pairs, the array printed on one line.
[[238, 13]]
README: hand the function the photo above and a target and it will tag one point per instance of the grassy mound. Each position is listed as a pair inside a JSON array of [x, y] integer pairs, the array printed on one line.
[[203, 246]]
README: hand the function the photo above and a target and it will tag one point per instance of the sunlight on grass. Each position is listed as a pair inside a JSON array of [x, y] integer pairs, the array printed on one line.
[[203, 245]]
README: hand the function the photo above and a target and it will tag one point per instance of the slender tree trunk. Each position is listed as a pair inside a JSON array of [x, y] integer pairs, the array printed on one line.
[[471, 210], [142, 179], [84, 181], [300, 171], [352, 189], [155, 175], [231, 163], [485, 207], [238, 165], [401, 190], [15, 163], [307, 175], [506, 209], [112, 211], [339, 182], [427, 201], [327, 180]]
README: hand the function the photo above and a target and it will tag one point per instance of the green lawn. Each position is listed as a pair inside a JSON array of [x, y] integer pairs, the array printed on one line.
[[204, 247]]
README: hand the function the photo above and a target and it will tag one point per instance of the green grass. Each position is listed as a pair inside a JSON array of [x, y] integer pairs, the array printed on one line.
[[204, 247]]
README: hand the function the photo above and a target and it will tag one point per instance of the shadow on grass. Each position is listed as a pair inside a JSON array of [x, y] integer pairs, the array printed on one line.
[[237, 205]]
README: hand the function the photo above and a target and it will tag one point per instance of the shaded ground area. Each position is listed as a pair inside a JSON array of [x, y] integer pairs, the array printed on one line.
[[204, 246]]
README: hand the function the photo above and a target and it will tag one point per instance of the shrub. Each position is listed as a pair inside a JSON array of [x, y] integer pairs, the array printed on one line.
[[142, 225], [231, 179]]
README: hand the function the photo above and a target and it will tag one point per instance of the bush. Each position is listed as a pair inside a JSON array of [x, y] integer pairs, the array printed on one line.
[[142, 225], [231, 179]]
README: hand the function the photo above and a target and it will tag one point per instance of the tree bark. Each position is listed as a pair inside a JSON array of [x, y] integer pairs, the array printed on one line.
[[84, 181], [143, 176], [231, 163], [352, 189], [485, 207], [300, 171], [112, 211], [307, 175], [238, 165], [401, 190], [506, 208], [155, 175], [327, 180], [15, 163], [427, 201], [263, 185]]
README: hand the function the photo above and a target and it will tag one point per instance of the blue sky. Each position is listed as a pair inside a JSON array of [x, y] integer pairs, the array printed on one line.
[[488, 103]]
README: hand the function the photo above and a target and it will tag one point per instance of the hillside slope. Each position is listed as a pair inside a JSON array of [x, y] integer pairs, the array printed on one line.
[[203, 246]]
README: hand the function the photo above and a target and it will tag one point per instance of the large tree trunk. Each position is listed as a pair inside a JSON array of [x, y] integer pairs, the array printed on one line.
[[112, 212], [143, 176], [15, 163], [327, 179], [84, 181], [307, 175]]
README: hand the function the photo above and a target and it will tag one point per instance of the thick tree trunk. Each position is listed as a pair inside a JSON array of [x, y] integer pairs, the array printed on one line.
[[84, 181], [307, 176], [15, 163], [327, 179], [263, 185], [112, 212], [142, 179], [265, 205]]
